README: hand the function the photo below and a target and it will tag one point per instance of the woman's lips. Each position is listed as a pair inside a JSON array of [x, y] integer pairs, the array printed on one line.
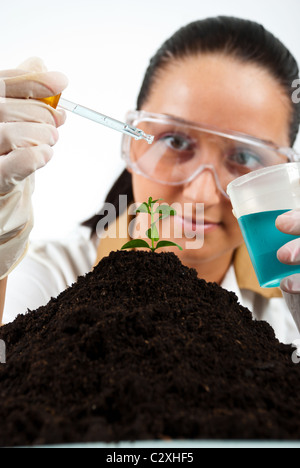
[[196, 226]]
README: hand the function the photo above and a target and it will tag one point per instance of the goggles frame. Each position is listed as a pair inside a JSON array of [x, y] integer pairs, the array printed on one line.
[[134, 117]]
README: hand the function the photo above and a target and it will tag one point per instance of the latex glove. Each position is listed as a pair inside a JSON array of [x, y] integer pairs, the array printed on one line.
[[28, 130], [290, 254]]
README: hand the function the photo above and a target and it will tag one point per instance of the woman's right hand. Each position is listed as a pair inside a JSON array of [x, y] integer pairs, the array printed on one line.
[[28, 127], [28, 130]]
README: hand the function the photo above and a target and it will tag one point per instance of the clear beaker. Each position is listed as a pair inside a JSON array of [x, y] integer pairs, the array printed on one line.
[[257, 199]]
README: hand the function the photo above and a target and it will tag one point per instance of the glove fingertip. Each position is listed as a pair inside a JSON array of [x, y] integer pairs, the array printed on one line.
[[57, 82], [284, 222], [291, 284], [283, 254], [33, 64]]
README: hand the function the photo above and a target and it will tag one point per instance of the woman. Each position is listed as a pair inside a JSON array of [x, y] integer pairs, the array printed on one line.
[[211, 81]]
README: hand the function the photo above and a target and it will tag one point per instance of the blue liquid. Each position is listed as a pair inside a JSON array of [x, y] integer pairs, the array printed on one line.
[[263, 239]]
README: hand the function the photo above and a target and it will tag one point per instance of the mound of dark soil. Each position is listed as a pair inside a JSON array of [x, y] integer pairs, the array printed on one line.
[[142, 349]]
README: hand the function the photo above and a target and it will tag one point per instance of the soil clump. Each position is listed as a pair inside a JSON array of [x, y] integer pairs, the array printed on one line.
[[141, 348]]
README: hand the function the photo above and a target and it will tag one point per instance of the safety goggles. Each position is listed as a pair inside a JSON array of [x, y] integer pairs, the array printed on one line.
[[182, 150]]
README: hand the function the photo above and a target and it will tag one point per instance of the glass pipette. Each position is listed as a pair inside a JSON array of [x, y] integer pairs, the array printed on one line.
[[105, 120]]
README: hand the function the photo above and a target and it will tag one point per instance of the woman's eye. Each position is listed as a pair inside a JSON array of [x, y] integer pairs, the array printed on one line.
[[178, 142], [246, 159]]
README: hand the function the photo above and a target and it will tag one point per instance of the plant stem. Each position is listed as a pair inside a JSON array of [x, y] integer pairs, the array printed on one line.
[[152, 221]]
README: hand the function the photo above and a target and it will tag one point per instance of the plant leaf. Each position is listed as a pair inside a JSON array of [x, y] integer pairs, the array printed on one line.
[[152, 233], [135, 243], [167, 244], [165, 211], [143, 208], [154, 201]]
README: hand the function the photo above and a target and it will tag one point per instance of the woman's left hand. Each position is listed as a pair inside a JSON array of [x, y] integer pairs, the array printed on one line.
[[289, 223], [289, 254]]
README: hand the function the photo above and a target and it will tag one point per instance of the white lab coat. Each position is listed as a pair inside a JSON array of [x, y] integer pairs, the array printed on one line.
[[50, 267]]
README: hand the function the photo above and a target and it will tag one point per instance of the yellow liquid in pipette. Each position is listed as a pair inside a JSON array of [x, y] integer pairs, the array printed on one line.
[[52, 101]]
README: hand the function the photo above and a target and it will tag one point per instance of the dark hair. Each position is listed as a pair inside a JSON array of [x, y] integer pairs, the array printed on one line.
[[246, 40]]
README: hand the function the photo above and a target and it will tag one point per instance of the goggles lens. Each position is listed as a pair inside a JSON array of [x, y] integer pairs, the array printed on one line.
[[181, 151]]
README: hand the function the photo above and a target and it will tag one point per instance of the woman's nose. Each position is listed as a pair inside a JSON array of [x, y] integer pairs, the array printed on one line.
[[204, 188]]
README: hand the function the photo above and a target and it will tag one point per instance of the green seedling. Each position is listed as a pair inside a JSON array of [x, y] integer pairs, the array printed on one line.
[[163, 211]]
